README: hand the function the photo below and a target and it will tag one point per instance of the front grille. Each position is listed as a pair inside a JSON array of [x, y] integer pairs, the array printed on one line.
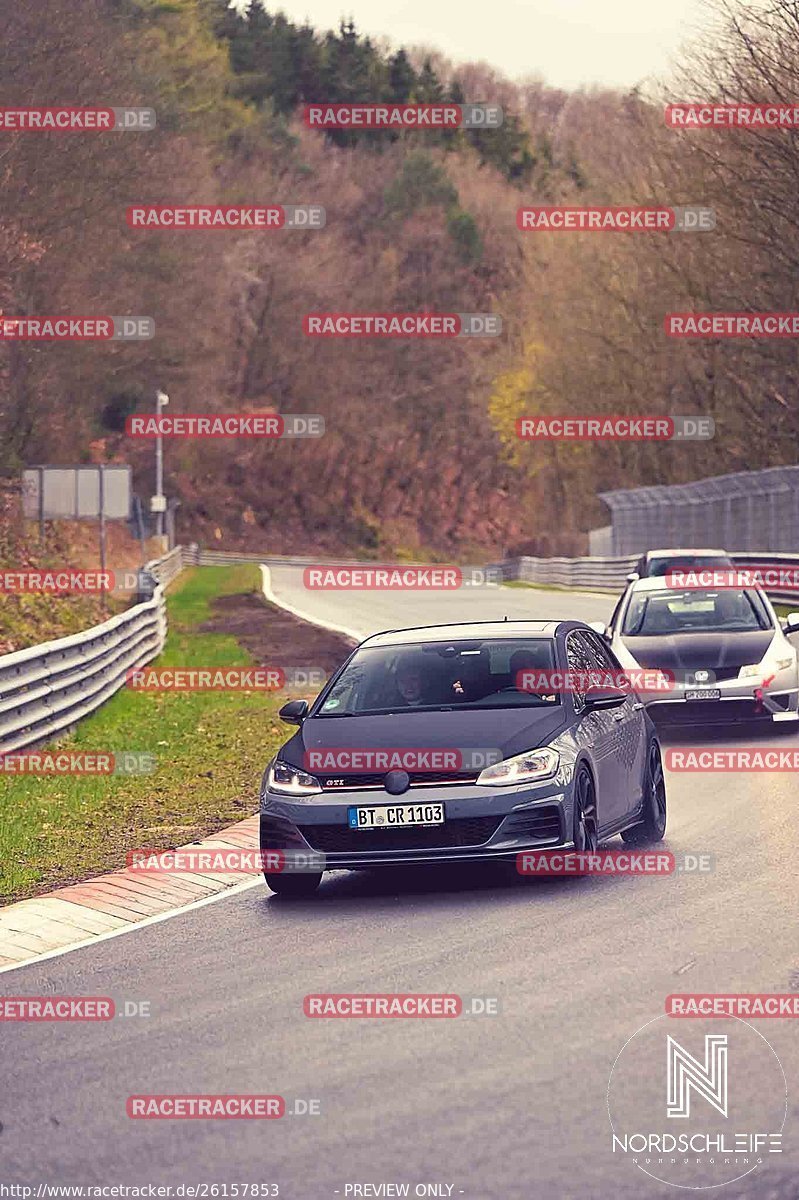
[[473, 831], [718, 675], [375, 780], [540, 824], [706, 712]]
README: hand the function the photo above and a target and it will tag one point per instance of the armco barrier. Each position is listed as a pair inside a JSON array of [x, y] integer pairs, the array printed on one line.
[[783, 593], [591, 574], [586, 574], [46, 689], [610, 574], [169, 567]]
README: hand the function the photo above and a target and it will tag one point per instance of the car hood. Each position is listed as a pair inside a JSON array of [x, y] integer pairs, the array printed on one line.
[[506, 730], [690, 651]]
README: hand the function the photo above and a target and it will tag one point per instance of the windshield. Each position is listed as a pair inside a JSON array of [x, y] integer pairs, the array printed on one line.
[[439, 676], [728, 610], [688, 562]]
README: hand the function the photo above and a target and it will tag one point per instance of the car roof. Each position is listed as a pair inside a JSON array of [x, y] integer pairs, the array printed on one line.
[[468, 631], [686, 550]]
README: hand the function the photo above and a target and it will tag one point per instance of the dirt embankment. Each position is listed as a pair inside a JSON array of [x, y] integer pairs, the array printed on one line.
[[272, 635]]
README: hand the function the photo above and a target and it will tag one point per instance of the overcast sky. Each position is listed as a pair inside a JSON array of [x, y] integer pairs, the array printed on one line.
[[566, 42]]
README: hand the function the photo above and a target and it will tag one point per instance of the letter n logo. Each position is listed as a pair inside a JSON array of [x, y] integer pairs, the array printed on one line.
[[708, 1079]]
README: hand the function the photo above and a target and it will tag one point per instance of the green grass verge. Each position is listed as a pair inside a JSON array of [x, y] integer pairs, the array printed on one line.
[[211, 749]]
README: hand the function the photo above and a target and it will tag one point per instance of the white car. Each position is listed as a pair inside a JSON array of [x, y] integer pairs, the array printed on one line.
[[709, 656]]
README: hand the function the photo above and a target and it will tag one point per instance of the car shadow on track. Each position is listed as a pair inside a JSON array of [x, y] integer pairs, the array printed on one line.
[[343, 890]]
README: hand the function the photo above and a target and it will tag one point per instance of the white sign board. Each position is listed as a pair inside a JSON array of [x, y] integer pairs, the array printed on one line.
[[73, 493]]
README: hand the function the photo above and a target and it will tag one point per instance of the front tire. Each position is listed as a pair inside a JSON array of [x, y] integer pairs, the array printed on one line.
[[304, 884], [652, 826], [586, 826]]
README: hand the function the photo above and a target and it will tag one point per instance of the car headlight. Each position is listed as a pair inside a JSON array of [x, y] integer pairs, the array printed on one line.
[[767, 666], [290, 781], [523, 768]]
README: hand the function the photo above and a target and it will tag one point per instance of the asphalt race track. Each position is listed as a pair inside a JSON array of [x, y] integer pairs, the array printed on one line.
[[500, 1107]]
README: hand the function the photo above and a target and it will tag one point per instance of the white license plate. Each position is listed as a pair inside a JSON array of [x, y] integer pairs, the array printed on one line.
[[703, 694], [395, 816]]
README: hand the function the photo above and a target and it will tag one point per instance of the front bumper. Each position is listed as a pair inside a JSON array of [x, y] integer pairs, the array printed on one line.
[[738, 703], [479, 824]]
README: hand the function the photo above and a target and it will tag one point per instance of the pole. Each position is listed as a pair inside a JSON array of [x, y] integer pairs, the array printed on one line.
[[159, 465], [41, 507], [102, 536], [140, 527]]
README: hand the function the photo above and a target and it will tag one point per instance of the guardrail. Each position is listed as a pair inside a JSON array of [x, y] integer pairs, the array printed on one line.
[[610, 574], [593, 574], [589, 574], [47, 689], [783, 590], [169, 567]]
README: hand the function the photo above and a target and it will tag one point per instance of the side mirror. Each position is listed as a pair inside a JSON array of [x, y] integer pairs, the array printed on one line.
[[631, 578], [602, 700], [295, 712], [792, 623], [601, 628]]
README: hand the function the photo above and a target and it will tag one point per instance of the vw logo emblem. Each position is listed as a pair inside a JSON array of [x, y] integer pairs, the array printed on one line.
[[397, 782]]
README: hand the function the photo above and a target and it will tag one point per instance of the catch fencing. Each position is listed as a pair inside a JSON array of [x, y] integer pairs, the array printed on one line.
[[753, 511]]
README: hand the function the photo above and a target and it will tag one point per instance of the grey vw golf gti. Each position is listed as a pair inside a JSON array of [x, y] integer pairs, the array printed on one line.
[[455, 743]]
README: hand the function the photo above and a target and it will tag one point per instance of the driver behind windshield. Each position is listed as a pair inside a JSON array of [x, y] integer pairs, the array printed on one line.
[[411, 681]]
